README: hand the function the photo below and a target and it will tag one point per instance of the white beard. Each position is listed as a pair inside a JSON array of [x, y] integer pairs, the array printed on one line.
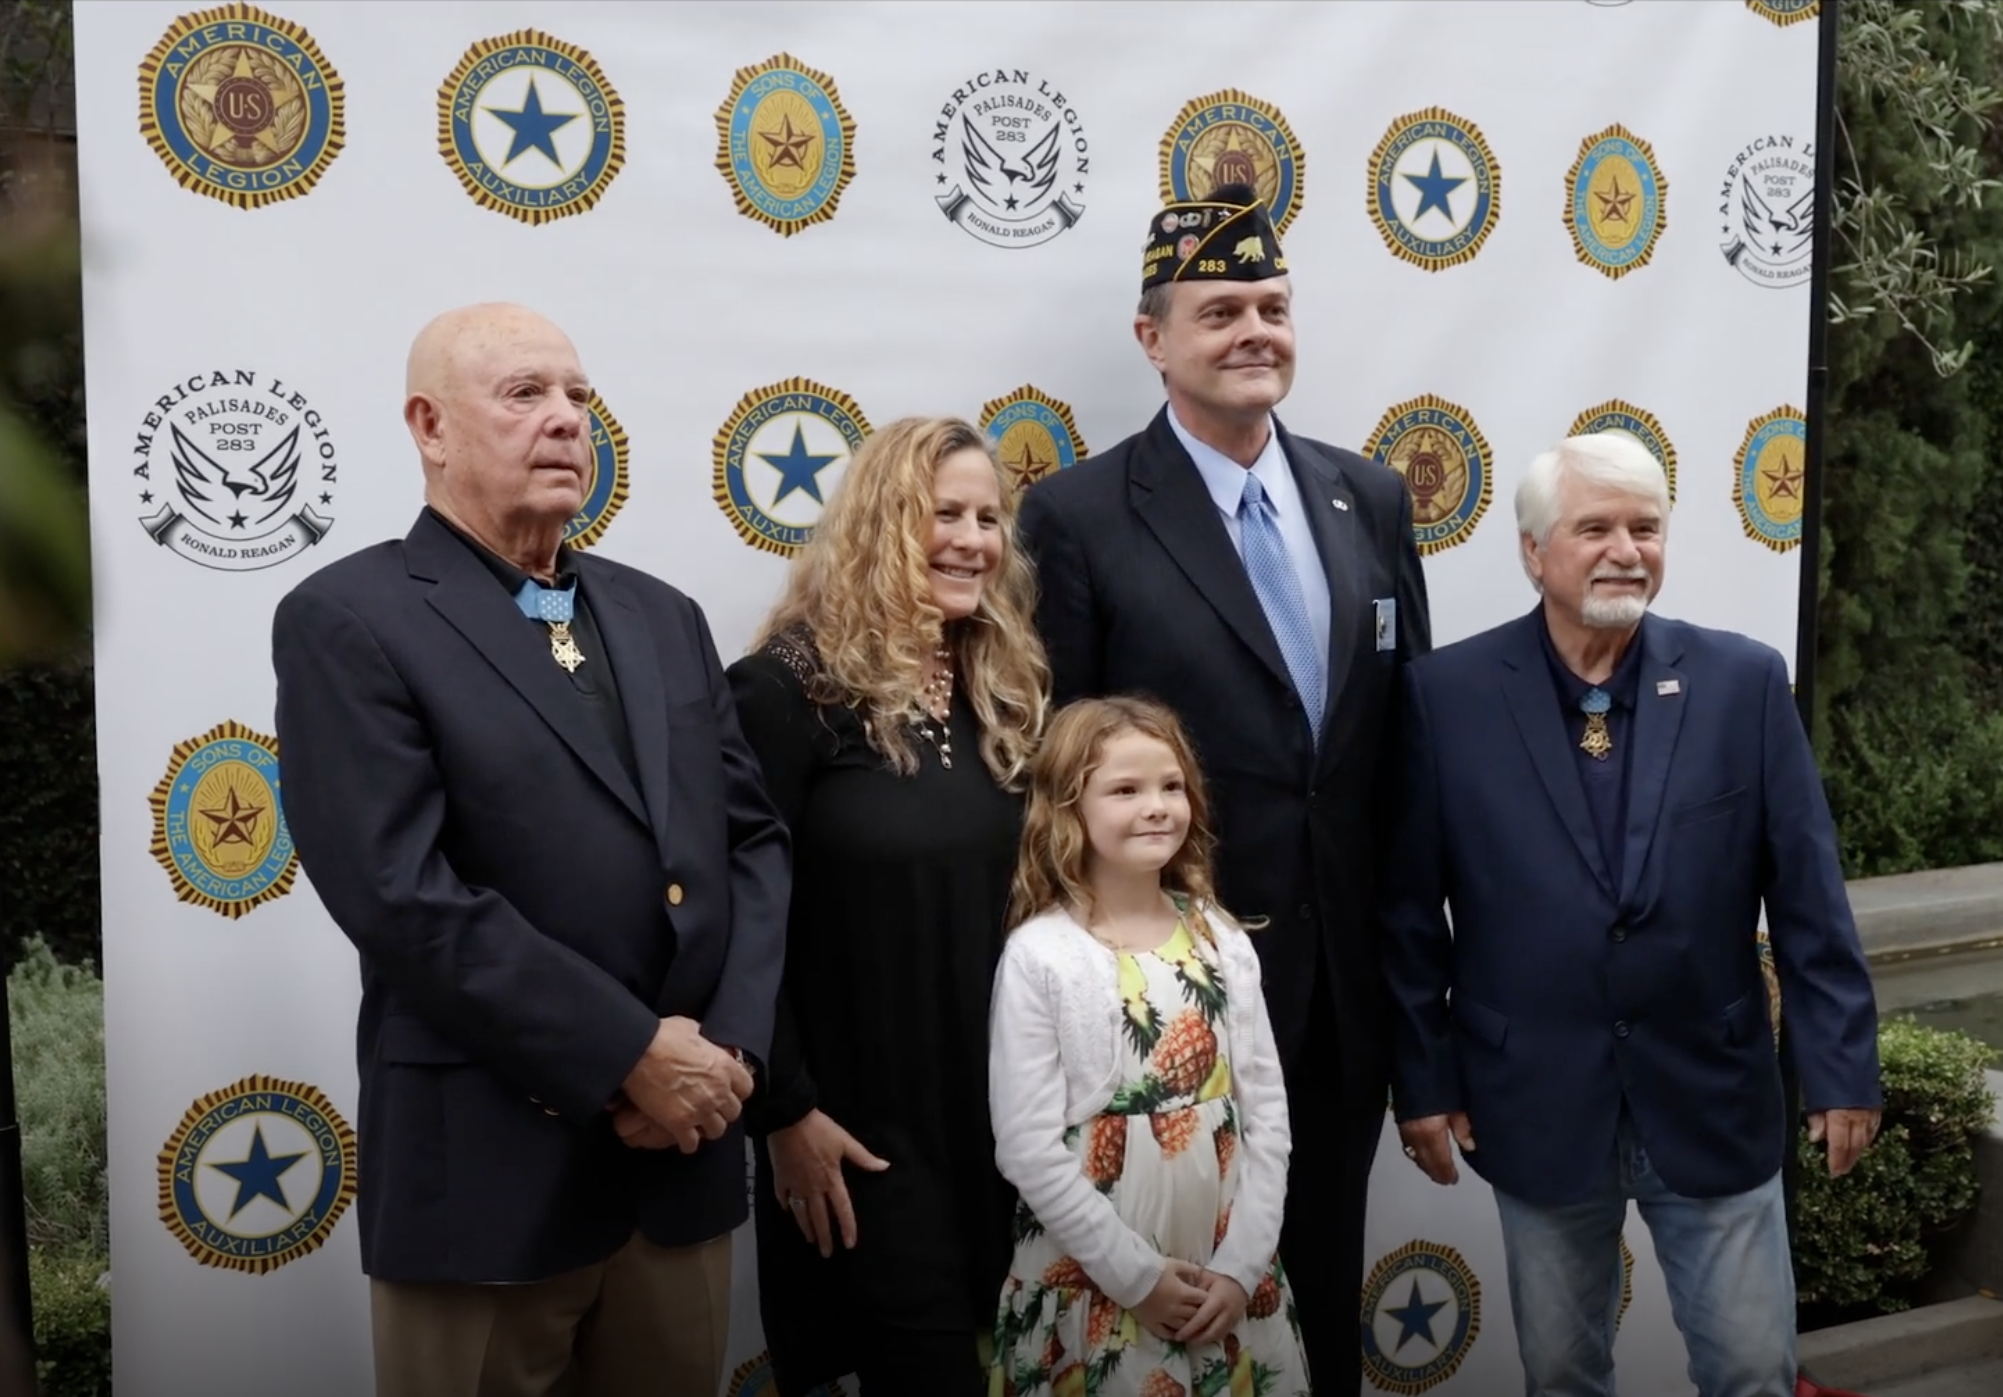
[[1615, 613]]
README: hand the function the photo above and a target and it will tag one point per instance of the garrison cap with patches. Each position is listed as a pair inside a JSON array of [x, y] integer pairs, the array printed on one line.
[[1227, 237]]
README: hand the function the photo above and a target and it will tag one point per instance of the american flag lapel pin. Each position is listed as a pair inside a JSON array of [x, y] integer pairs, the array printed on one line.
[[1342, 505], [1665, 687]]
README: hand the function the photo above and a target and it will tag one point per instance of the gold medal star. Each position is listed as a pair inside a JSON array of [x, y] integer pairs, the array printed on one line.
[[788, 148], [1030, 467], [1785, 482], [235, 821], [1614, 203]]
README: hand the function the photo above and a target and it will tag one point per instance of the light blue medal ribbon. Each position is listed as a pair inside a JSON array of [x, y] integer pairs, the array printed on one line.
[[1596, 742], [556, 606]]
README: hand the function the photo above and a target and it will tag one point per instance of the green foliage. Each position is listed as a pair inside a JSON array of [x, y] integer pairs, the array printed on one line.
[[1906, 714], [1862, 1239], [72, 1324], [58, 1028]]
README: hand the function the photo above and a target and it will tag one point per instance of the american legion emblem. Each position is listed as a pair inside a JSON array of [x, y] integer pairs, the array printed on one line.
[[240, 105], [1421, 1315], [1435, 189], [785, 144], [1034, 435], [1615, 415], [605, 492], [236, 470], [1770, 478], [1011, 158], [1766, 211], [1446, 463], [776, 457], [531, 126], [1231, 137], [218, 827], [257, 1174], [1785, 12], [1616, 202]]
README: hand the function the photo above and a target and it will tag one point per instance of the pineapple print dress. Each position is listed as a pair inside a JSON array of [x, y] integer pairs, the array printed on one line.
[[1163, 1152]]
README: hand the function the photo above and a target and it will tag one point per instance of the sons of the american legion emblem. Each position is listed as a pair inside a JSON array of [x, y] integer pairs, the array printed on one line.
[[218, 828], [605, 492], [240, 105], [1231, 137], [1770, 478], [785, 144], [257, 1174], [1785, 12], [1011, 158], [235, 469], [1616, 201], [1435, 189], [1446, 463], [531, 126], [778, 455], [1033, 434]]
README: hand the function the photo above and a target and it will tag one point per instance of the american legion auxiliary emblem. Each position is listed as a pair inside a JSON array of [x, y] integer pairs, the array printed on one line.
[[605, 492], [1616, 202], [1615, 415], [1770, 478], [1785, 12], [257, 1174], [240, 105], [1034, 435], [1446, 463], [785, 144], [1421, 1316], [1011, 158], [1435, 189], [218, 828], [235, 470], [778, 455], [531, 126], [1230, 137]]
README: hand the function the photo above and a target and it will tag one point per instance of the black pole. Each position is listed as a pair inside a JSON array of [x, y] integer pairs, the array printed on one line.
[[1816, 410], [17, 1320]]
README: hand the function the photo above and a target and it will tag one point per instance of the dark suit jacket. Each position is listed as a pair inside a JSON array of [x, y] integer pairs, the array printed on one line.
[[1142, 591], [1569, 993], [471, 828]]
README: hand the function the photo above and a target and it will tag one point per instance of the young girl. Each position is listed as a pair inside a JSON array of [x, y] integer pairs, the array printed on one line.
[[1135, 1088]]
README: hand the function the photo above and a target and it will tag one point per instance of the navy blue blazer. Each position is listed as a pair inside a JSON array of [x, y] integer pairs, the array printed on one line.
[[1556, 994], [525, 914]]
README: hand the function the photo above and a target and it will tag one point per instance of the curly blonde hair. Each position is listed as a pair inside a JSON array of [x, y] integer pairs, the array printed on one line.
[[1050, 870], [861, 589]]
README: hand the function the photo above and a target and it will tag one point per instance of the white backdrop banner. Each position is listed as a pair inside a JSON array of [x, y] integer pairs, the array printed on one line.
[[767, 226]]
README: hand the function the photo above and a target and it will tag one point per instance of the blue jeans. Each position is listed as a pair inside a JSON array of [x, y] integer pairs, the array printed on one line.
[[1731, 1282]]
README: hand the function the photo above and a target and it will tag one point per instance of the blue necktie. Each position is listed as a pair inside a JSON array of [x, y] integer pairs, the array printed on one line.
[[1279, 591]]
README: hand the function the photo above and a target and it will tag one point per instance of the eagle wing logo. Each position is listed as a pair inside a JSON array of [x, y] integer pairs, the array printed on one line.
[[995, 177], [266, 485]]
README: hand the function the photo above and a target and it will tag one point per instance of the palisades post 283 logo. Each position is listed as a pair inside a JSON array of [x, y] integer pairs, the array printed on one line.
[[531, 126], [1766, 210], [236, 470], [257, 1174], [240, 105], [1012, 158], [218, 826]]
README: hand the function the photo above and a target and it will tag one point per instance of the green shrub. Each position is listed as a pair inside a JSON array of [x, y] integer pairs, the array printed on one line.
[[1862, 1239], [72, 1323], [58, 1025]]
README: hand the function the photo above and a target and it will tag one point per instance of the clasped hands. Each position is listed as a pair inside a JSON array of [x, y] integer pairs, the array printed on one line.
[[683, 1091], [1190, 1305]]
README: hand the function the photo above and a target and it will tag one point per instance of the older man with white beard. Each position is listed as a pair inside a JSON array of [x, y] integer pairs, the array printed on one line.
[[1604, 801]]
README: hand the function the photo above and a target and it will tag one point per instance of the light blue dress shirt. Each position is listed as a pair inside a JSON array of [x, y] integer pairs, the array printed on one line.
[[1225, 479]]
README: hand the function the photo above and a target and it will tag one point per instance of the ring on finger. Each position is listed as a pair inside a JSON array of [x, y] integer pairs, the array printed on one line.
[[797, 1203]]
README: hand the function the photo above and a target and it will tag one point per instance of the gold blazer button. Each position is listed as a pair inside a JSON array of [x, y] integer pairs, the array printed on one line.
[[674, 894]]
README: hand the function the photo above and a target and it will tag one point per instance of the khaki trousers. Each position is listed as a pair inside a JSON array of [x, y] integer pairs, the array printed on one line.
[[647, 1322]]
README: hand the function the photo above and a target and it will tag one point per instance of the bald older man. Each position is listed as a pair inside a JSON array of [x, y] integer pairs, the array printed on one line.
[[516, 781]]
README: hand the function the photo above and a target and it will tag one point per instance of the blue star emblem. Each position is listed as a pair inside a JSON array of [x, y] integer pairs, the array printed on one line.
[[1415, 1318], [1433, 189], [798, 468], [257, 1177], [533, 127]]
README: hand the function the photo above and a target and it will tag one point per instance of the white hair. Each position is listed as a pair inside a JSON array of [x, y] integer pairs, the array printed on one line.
[[1611, 460]]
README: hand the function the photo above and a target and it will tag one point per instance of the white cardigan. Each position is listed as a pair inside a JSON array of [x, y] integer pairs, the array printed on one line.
[[1052, 1063]]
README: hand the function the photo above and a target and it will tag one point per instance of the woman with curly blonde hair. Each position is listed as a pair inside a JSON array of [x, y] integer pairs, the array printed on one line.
[[894, 696]]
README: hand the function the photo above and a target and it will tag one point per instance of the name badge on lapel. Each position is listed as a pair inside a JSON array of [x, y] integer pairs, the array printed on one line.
[[1387, 623]]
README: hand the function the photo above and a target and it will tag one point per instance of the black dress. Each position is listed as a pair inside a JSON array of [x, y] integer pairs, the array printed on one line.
[[899, 888]]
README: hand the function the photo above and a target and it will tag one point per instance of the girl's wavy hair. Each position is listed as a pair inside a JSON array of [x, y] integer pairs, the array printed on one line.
[[862, 590], [1050, 870]]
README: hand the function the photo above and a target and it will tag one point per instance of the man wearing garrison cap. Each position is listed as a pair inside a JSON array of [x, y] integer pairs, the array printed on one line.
[[1267, 586]]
